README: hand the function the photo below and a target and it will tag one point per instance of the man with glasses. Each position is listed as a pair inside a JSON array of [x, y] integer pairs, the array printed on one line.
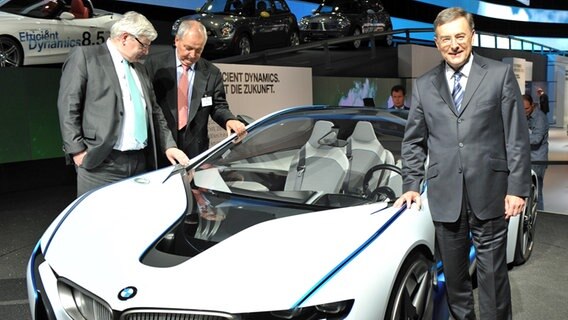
[[467, 117], [108, 111]]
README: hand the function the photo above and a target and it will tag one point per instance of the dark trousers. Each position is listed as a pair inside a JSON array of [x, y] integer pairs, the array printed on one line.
[[490, 241], [540, 201], [117, 166]]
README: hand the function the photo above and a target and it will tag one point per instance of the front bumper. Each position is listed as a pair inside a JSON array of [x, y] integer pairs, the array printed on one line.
[[309, 36]]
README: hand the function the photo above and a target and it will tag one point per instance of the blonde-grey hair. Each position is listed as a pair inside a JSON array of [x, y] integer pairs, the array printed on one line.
[[135, 24], [451, 14], [188, 25]]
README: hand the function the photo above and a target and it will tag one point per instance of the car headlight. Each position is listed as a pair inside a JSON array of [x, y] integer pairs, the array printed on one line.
[[81, 305], [335, 310], [303, 24], [343, 23], [227, 29], [175, 26]]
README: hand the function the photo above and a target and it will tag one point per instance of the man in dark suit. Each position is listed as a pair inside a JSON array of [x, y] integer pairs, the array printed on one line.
[[472, 129], [108, 113], [187, 106], [543, 100]]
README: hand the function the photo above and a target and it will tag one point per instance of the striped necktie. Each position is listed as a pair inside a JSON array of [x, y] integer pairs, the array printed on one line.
[[140, 129], [457, 92]]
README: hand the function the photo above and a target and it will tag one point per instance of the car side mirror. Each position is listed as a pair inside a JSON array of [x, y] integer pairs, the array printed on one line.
[[66, 16]]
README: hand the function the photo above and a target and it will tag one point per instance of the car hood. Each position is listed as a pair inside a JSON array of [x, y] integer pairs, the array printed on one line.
[[269, 266], [210, 19], [324, 16]]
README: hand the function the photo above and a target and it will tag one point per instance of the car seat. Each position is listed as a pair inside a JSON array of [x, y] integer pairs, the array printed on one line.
[[364, 152], [261, 6], [79, 10], [320, 165], [237, 5]]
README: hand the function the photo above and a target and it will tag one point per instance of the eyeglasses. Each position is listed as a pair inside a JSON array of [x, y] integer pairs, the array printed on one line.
[[143, 45], [448, 40]]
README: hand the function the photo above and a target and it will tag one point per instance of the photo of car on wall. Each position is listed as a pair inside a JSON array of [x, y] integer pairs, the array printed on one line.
[[43, 31]]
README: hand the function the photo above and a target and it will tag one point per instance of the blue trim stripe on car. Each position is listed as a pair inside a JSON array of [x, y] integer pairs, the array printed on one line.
[[32, 268], [63, 219], [350, 257]]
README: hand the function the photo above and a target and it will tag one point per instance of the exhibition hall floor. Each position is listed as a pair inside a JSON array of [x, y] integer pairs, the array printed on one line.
[[538, 287]]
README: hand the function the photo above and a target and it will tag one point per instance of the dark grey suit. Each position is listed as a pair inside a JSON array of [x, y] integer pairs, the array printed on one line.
[[476, 158], [91, 109], [208, 82]]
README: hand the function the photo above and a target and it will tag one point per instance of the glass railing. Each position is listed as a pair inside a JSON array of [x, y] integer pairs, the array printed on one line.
[[421, 36]]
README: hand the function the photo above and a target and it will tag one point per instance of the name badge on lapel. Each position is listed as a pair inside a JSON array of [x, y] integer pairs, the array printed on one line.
[[206, 101]]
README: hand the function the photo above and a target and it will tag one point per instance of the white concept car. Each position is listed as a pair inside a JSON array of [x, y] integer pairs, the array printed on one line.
[[44, 31], [295, 221]]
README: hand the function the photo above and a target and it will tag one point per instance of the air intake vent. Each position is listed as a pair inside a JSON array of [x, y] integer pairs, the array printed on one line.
[[153, 314]]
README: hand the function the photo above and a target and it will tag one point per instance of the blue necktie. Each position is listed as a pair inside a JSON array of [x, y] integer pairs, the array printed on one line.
[[457, 92], [140, 129]]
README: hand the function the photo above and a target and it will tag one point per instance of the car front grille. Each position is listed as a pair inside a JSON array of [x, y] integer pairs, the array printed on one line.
[[324, 26], [152, 314]]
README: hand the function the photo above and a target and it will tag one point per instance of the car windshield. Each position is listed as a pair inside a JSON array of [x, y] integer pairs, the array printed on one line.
[[266, 161], [291, 164], [33, 8], [238, 7]]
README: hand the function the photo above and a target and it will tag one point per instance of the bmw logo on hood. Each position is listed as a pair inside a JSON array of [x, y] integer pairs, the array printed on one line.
[[127, 293]]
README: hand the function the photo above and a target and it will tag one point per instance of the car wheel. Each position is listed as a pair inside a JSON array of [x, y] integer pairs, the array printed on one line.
[[412, 294], [243, 45], [294, 39], [386, 41], [527, 223], [11, 53]]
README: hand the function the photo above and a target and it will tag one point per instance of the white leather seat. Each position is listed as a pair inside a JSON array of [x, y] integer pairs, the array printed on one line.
[[324, 165], [365, 152]]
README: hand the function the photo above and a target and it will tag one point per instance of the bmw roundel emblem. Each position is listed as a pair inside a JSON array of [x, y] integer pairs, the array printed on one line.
[[127, 293]]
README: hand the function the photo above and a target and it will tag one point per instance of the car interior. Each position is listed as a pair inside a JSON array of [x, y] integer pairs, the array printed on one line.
[[320, 159], [324, 164], [79, 10]]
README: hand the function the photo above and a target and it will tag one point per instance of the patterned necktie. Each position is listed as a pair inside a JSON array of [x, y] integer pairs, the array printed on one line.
[[458, 91], [140, 129], [183, 87]]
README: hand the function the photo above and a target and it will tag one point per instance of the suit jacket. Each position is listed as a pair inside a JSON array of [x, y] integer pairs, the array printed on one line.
[[208, 82], [484, 148], [543, 102], [91, 109]]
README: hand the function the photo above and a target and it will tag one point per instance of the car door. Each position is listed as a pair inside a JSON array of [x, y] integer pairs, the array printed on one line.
[[262, 26], [284, 23]]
